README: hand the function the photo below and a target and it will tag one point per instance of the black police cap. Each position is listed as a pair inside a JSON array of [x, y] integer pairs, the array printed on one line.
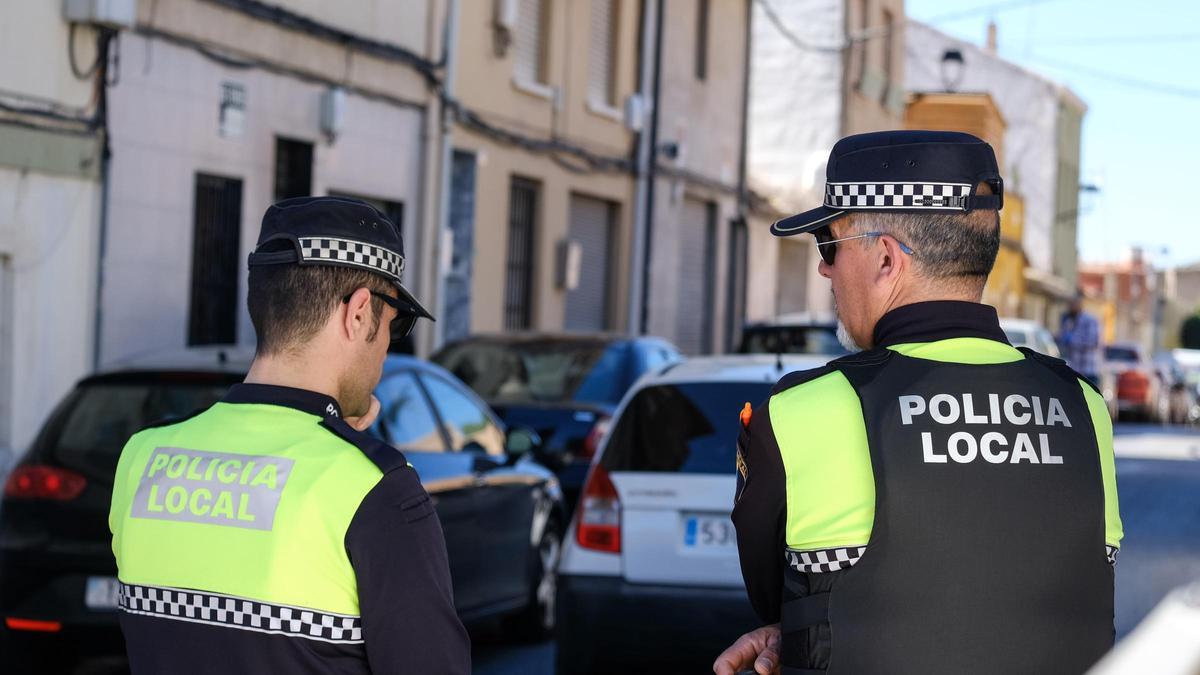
[[334, 231], [905, 172]]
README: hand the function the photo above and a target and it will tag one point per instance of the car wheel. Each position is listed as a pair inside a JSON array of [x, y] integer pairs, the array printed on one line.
[[536, 622]]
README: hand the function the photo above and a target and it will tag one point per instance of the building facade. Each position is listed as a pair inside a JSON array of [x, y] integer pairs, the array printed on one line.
[[219, 110], [51, 162], [1041, 162], [822, 69]]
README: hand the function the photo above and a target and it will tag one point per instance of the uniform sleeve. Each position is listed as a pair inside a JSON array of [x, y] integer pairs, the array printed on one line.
[[759, 514], [1113, 529], [398, 551]]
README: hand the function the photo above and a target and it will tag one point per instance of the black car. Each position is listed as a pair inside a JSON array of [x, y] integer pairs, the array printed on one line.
[[57, 585], [801, 333], [563, 386]]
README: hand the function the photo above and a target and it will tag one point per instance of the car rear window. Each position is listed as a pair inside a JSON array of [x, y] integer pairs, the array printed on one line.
[[792, 340], [552, 371], [683, 428], [94, 424], [1121, 354]]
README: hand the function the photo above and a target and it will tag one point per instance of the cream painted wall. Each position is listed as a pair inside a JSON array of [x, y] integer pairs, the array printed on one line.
[[33, 47], [165, 129], [48, 232]]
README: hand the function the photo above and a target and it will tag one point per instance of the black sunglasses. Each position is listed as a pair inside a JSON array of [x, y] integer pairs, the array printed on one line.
[[827, 245], [403, 324]]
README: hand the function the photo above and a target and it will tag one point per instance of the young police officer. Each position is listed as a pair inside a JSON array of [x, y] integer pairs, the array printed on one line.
[[940, 502], [269, 534]]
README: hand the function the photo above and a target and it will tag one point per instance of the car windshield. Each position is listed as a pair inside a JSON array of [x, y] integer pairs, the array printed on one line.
[[684, 428], [1018, 338], [1121, 354], [94, 424], [792, 340], [550, 371]]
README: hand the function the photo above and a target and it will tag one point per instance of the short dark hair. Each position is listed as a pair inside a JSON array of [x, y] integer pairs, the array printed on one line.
[[951, 246], [289, 304]]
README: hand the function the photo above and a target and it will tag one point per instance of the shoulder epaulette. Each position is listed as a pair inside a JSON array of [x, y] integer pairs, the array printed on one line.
[[383, 455], [1059, 367]]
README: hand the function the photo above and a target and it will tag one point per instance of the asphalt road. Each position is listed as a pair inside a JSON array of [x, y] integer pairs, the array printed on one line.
[[1158, 479]]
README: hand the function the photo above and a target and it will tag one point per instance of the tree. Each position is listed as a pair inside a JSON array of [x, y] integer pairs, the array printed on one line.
[[1189, 336]]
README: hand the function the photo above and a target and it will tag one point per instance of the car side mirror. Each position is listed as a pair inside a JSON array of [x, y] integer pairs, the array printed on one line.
[[522, 441]]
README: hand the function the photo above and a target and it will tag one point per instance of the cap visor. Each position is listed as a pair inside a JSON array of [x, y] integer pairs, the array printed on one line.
[[808, 221], [414, 306]]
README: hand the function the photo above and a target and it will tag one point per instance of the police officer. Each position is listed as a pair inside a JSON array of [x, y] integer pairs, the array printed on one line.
[[269, 534], [939, 502]]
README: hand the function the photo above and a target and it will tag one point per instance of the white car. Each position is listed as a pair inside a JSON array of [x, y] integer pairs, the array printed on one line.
[[1031, 334], [650, 571]]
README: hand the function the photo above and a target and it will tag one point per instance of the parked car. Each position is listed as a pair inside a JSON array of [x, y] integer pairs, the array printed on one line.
[[1181, 370], [800, 333], [1136, 382], [563, 386], [56, 562], [651, 558], [1031, 334]]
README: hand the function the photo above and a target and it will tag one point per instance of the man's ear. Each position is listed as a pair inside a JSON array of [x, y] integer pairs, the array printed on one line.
[[357, 319], [892, 261]]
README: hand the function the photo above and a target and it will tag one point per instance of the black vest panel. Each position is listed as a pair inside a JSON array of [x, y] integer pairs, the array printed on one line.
[[987, 549]]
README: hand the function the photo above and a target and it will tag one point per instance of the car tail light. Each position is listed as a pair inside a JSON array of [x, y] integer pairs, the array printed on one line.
[[592, 443], [599, 527], [14, 623], [1133, 385], [44, 482]]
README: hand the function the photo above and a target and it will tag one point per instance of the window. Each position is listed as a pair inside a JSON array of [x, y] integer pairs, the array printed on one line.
[[405, 419], [702, 12], [215, 239], [463, 419], [530, 40], [293, 168], [685, 428], [602, 59], [455, 313], [518, 289]]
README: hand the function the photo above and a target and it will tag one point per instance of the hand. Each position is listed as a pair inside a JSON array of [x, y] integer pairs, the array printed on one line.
[[364, 421], [758, 649]]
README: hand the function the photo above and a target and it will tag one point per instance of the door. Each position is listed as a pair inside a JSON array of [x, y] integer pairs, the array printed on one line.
[[697, 245], [408, 423], [456, 312], [503, 498], [591, 228], [217, 224]]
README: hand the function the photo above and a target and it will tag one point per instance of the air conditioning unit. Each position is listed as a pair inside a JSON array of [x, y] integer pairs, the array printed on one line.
[[333, 112], [115, 14]]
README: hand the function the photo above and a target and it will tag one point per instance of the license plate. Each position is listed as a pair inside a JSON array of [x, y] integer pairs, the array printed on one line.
[[101, 593], [709, 533]]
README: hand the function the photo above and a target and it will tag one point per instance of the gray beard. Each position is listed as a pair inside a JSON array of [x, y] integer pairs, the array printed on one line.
[[844, 337]]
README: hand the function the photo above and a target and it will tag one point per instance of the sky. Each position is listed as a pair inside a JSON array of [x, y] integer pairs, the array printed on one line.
[[1137, 66]]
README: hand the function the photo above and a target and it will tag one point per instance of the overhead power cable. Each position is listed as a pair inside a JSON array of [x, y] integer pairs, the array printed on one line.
[[1136, 83]]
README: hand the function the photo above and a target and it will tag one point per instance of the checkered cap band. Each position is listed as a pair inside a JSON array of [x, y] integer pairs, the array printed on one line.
[[825, 560], [351, 252], [934, 196], [241, 613], [1111, 552]]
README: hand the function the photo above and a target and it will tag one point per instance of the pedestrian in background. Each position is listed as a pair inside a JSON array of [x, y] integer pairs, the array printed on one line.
[[269, 534], [1079, 339], [941, 502]]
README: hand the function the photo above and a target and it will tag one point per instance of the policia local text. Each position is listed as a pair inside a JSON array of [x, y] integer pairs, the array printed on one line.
[[993, 447]]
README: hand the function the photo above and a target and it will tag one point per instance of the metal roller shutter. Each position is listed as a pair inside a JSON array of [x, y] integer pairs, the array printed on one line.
[[697, 246], [591, 227]]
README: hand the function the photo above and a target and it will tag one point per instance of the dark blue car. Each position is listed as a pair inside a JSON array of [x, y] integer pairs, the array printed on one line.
[[563, 386]]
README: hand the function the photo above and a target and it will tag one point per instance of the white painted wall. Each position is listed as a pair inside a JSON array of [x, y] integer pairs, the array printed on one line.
[[165, 114], [1029, 104], [47, 229]]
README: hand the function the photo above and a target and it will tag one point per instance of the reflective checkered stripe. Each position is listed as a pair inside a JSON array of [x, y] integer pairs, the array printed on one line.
[[824, 560], [350, 252], [1110, 552], [935, 196], [240, 613]]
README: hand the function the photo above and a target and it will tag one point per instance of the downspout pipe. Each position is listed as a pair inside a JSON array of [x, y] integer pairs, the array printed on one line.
[[651, 172], [442, 240], [743, 193], [104, 40], [641, 160]]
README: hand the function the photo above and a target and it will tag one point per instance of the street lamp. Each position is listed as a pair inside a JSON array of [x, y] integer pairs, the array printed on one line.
[[952, 69]]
